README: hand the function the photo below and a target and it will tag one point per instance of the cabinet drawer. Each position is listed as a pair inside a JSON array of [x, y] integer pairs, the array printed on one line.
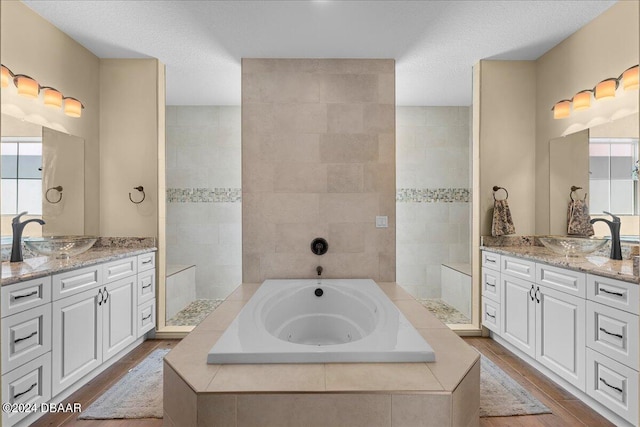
[[561, 279], [613, 333], [491, 260], [518, 267], [491, 315], [613, 385], [25, 295], [614, 293], [146, 261], [30, 383], [146, 317], [491, 284], [146, 286], [119, 269], [76, 281], [25, 336]]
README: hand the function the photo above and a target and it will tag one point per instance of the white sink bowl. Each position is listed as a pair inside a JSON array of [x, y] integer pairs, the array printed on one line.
[[572, 246], [60, 247]]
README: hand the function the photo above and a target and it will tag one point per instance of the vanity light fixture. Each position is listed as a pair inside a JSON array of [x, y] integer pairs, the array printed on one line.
[[26, 86], [52, 97], [6, 76], [562, 109], [72, 107], [630, 78], [30, 88], [582, 100], [605, 89]]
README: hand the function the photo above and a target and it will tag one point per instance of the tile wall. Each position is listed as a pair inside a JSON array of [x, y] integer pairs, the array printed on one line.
[[318, 146], [433, 208], [204, 201]]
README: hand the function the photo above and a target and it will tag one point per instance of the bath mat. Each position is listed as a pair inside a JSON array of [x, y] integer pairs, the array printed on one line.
[[137, 395], [502, 396]]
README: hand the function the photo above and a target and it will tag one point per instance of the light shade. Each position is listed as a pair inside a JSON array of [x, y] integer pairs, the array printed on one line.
[[629, 78], [72, 107], [52, 97], [562, 109], [6, 76], [606, 89], [26, 86], [582, 100]]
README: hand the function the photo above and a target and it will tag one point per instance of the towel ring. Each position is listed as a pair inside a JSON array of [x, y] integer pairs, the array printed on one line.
[[58, 189], [496, 188], [140, 188], [573, 190]]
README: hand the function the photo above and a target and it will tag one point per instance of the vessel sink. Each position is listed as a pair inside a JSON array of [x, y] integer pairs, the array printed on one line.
[[60, 247], [572, 246]]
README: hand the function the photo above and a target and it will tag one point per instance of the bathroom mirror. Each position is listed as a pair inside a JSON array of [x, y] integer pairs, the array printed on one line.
[[603, 161], [42, 173]]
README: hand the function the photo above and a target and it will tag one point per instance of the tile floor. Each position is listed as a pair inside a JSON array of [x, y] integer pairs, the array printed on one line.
[[444, 312], [194, 313]]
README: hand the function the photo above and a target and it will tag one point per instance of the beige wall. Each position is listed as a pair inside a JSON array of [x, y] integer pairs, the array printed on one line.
[[30, 45], [603, 48], [505, 111], [130, 126], [318, 146]]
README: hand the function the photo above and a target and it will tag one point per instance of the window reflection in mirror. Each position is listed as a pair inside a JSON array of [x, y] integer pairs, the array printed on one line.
[[613, 177], [21, 175], [35, 159]]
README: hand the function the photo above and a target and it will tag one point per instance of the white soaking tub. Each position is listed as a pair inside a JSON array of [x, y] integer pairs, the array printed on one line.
[[306, 321]]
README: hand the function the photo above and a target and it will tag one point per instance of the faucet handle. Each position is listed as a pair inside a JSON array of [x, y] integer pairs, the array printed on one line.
[[16, 219], [615, 218]]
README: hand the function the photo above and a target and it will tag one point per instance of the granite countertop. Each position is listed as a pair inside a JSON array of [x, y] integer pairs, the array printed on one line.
[[595, 264], [13, 272]]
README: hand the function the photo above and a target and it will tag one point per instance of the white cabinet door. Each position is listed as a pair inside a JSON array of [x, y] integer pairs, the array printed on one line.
[[119, 315], [560, 334], [518, 313], [77, 338]]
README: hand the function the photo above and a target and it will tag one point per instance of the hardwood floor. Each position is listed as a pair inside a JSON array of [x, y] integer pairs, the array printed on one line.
[[567, 410], [94, 388]]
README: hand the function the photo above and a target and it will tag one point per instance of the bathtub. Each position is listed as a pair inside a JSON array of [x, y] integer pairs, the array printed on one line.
[[307, 321]]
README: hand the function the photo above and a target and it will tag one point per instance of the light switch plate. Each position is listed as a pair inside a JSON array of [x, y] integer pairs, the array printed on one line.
[[382, 222]]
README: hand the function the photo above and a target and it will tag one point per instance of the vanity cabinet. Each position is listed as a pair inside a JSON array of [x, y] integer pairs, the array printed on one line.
[[62, 329], [581, 327]]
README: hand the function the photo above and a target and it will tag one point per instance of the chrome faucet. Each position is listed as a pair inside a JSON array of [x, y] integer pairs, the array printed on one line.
[[614, 226], [18, 228]]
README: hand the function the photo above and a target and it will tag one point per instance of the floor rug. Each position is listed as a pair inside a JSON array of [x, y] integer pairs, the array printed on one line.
[[137, 395], [502, 396]]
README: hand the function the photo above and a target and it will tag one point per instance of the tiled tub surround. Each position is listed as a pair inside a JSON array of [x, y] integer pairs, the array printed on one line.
[[442, 393], [318, 160], [433, 197], [204, 199], [106, 249]]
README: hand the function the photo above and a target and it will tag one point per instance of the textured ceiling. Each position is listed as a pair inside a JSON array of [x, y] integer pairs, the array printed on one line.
[[434, 43]]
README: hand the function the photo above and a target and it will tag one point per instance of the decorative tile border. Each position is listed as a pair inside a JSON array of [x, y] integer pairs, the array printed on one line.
[[433, 195], [204, 195]]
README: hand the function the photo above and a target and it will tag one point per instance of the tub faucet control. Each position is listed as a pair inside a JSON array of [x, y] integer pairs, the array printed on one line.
[[319, 270], [319, 246]]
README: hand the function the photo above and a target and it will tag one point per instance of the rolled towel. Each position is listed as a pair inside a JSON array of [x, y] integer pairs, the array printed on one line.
[[578, 220], [502, 223]]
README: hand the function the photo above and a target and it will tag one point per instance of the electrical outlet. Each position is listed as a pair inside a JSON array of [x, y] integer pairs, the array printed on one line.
[[382, 222]]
